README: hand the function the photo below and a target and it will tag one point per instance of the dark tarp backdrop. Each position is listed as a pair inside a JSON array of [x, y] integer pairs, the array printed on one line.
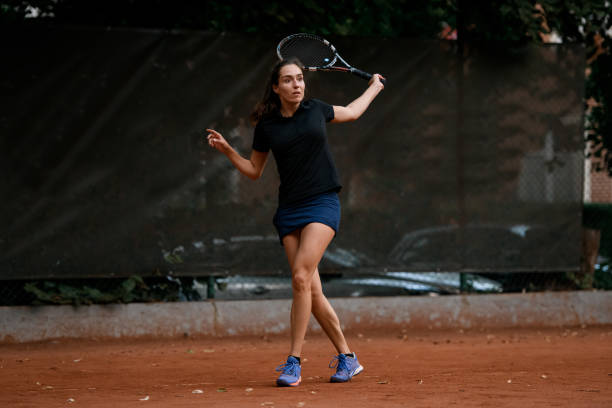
[[472, 166]]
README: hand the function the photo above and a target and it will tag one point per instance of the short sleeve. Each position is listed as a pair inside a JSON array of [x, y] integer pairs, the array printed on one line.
[[326, 109], [260, 141]]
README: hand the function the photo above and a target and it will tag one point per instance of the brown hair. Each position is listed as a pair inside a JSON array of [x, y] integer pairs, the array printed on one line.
[[270, 101]]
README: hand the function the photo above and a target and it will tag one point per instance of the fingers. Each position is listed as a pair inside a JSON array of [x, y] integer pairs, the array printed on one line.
[[215, 139], [379, 79], [213, 131], [213, 136]]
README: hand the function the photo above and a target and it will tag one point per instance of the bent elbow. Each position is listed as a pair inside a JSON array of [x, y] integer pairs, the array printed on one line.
[[254, 175], [351, 115]]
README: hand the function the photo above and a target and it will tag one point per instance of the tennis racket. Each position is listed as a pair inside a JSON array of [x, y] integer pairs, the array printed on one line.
[[317, 54]]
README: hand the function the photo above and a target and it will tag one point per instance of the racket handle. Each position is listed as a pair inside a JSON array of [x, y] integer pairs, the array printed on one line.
[[365, 75]]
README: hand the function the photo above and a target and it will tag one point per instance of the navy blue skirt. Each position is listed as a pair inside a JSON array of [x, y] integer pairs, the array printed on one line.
[[323, 208]]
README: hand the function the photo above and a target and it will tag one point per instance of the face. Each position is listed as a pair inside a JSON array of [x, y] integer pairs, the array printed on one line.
[[290, 88]]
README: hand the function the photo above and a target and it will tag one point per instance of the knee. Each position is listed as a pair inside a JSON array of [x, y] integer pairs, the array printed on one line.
[[301, 280]]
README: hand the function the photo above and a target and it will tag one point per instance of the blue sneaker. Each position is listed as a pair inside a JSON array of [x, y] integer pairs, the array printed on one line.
[[291, 373], [346, 368]]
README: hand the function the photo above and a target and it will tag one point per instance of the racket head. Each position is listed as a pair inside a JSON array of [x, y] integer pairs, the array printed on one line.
[[313, 51]]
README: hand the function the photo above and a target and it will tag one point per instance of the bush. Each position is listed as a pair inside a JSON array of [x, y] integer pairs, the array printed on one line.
[[599, 216], [103, 291]]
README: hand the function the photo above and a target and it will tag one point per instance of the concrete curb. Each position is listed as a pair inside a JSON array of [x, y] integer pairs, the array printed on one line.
[[229, 318]]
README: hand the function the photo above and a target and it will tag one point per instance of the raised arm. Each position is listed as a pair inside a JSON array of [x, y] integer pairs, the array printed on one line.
[[252, 168], [355, 109]]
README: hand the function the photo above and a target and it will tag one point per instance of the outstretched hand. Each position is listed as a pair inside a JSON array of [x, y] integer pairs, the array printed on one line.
[[216, 140]]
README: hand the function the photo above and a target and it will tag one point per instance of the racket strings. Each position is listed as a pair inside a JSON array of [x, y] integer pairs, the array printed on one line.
[[311, 51]]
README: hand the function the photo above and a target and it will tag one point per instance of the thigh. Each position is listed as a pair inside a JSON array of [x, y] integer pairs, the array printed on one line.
[[313, 241], [291, 242]]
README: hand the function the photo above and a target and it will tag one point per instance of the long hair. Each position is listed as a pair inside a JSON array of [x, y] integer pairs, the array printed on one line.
[[270, 102]]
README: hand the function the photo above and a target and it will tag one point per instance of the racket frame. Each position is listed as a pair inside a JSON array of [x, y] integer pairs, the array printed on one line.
[[329, 66]]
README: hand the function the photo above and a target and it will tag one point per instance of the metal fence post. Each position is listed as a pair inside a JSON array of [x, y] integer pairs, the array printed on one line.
[[210, 287]]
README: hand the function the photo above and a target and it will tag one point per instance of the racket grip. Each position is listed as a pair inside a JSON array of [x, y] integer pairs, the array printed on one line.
[[365, 75]]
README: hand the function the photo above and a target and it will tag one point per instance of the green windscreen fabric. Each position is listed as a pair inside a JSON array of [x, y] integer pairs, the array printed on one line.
[[472, 164]]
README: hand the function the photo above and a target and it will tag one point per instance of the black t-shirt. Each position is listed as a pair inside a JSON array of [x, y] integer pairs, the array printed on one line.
[[299, 145]]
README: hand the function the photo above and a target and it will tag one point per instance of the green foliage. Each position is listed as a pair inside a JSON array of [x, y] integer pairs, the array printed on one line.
[[346, 17], [599, 118], [599, 217], [603, 277], [581, 281], [132, 289], [577, 21], [507, 20], [511, 22]]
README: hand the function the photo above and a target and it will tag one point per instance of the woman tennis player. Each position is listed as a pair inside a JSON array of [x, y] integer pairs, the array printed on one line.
[[308, 214]]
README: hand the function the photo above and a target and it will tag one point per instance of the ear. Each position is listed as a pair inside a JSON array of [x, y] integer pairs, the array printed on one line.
[[275, 88]]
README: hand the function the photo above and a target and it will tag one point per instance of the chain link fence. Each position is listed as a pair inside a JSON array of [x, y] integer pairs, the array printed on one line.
[[465, 176], [238, 287]]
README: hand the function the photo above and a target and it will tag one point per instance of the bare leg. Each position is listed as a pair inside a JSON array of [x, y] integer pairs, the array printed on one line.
[[291, 242], [321, 308], [326, 316], [311, 244]]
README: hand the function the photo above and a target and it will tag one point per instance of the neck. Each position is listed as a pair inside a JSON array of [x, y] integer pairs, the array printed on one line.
[[288, 109]]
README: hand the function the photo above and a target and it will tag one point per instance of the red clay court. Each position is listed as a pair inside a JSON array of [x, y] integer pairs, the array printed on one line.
[[563, 367]]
